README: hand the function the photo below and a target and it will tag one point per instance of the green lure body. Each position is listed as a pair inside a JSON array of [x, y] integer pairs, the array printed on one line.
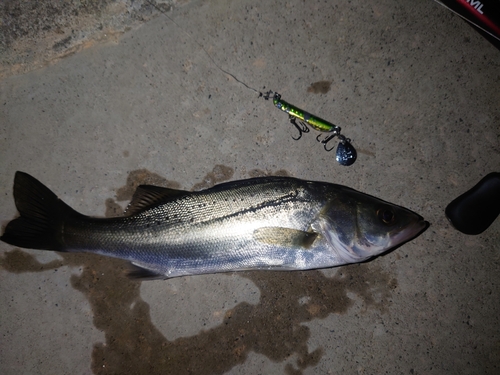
[[316, 122]]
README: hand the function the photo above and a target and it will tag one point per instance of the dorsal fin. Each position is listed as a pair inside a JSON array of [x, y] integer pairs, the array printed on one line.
[[147, 195]]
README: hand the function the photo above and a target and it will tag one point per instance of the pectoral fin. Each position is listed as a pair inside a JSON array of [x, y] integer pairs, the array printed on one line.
[[285, 237]]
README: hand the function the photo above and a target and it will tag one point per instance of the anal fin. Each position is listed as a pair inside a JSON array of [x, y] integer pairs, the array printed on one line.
[[138, 271]]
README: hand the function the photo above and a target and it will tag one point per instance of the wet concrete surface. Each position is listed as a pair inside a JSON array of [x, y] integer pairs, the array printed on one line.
[[413, 86]]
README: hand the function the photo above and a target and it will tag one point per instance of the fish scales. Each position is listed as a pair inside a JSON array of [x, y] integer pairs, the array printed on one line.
[[221, 226]]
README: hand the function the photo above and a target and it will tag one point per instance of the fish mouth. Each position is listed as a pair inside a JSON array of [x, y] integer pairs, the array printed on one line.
[[410, 232]]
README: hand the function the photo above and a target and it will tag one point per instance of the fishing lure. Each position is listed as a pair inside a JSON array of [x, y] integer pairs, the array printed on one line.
[[346, 154]]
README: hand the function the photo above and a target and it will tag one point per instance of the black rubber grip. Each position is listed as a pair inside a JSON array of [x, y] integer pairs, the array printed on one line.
[[475, 210]]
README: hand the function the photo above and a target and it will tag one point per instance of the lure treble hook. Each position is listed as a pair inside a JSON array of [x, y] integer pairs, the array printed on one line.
[[346, 153], [325, 141], [302, 128]]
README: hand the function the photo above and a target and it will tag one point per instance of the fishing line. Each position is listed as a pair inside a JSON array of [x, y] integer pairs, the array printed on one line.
[[346, 153], [154, 5]]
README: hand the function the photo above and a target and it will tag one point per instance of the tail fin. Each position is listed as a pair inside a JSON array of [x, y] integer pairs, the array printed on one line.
[[42, 217]]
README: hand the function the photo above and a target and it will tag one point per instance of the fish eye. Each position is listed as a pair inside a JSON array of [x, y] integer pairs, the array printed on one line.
[[385, 215]]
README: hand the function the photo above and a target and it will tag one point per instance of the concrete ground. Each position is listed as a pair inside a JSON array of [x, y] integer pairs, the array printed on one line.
[[411, 84]]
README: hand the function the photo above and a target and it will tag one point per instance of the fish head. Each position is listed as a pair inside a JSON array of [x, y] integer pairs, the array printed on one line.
[[359, 226]]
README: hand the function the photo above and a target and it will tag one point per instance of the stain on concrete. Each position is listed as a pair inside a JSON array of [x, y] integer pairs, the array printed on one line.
[[273, 327], [260, 173], [320, 87], [18, 261], [219, 174]]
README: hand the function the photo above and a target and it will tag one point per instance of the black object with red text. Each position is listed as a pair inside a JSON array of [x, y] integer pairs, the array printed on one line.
[[484, 15]]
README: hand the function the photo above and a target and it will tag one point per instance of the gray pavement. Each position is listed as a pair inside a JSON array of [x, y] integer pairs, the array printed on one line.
[[411, 84]]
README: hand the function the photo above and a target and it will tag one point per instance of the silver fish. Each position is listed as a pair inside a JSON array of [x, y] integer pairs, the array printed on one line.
[[272, 223]]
